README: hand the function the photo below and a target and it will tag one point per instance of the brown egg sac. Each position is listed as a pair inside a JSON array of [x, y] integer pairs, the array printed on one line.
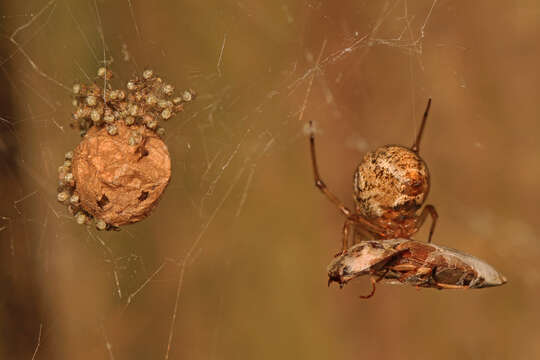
[[121, 167], [391, 181], [119, 179]]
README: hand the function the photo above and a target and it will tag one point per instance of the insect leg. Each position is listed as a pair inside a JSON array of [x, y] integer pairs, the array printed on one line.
[[382, 275], [406, 275], [449, 286], [373, 281], [404, 267]]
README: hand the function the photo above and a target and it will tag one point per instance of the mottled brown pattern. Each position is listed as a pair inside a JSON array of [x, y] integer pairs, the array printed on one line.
[[390, 186], [390, 182]]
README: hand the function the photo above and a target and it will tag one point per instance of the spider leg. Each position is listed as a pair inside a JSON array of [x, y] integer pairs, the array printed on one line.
[[428, 210], [349, 223], [362, 232], [345, 241], [416, 146], [319, 183], [368, 227]]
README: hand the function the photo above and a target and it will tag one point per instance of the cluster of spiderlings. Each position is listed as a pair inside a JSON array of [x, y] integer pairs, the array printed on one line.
[[69, 197], [146, 101]]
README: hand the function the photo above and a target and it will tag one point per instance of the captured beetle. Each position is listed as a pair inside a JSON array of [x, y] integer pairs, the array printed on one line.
[[403, 261]]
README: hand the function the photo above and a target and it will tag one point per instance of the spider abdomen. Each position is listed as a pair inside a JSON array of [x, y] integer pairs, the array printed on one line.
[[391, 182]]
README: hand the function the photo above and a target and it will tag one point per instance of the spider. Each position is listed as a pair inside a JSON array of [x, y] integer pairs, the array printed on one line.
[[390, 186]]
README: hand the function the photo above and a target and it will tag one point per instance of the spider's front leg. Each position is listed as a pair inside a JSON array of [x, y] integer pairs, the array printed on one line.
[[351, 217], [319, 183]]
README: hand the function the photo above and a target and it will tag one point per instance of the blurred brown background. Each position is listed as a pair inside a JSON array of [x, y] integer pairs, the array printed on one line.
[[240, 242]]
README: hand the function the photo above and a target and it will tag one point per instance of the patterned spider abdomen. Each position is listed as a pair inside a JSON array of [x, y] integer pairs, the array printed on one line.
[[391, 182]]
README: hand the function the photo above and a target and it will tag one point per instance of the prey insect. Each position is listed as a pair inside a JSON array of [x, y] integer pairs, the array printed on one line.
[[410, 262], [390, 186]]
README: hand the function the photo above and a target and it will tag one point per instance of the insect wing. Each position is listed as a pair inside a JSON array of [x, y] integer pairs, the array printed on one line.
[[442, 267], [464, 269]]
